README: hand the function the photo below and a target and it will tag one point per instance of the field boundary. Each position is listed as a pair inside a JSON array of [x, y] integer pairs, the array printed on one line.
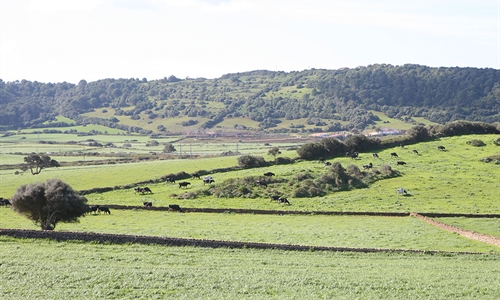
[[488, 239], [181, 242]]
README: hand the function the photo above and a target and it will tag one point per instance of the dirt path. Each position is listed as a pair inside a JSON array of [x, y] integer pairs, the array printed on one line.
[[492, 240]]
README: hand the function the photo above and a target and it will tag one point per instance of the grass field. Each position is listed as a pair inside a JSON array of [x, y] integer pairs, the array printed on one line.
[[41, 269], [310, 230]]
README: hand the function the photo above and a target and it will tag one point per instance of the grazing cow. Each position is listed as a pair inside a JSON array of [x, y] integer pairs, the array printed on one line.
[[184, 184], [93, 209], [327, 163], [354, 155], [347, 154], [269, 174], [401, 163], [442, 148], [208, 181], [103, 209], [283, 200], [174, 207], [394, 154], [169, 180], [274, 198], [196, 175], [375, 155], [402, 191], [258, 182], [148, 204], [415, 152], [142, 190], [4, 202], [368, 166]]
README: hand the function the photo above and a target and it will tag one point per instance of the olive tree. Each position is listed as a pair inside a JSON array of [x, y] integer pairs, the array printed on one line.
[[35, 163], [274, 151], [50, 202]]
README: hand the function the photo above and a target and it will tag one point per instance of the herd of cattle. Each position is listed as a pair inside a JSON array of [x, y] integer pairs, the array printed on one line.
[[97, 209]]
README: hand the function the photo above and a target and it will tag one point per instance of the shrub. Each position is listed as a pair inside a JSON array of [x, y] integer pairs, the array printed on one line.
[[476, 143], [496, 141], [250, 161]]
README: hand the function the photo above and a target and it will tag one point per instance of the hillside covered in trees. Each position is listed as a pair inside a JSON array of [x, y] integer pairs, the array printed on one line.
[[332, 100]]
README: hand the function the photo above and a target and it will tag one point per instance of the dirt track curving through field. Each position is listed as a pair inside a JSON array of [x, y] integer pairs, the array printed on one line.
[[492, 240]]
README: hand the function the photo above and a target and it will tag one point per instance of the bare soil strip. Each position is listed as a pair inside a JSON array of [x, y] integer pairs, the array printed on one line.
[[492, 240]]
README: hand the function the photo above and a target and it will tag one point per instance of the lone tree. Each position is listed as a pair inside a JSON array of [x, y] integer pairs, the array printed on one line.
[[35, 163], [50, 202], [274, 151], [169, 148]]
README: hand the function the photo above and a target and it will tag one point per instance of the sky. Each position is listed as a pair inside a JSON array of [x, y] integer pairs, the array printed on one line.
[[61, 40]]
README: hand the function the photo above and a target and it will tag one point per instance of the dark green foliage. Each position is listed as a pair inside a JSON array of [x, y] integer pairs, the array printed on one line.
[[418, 133], [361, 143], [48, 203], [333, 146], [283, 161], [36, 163], [274, 151], [496, 141], [476, 143], [250, 161], [312, 151], [169, 148]]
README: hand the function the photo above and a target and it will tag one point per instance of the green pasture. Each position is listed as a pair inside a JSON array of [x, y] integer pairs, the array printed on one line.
[[43, 269], [489, 226], [87, 177], [309, 230]]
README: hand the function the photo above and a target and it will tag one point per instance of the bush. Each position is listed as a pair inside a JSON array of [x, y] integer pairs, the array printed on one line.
[[496, 141], [250, 161], [476, 143]]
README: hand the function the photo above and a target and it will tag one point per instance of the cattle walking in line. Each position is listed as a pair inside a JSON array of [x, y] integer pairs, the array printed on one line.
[[184, 184], [394, 154], [169, 180], [269, 174], [4, 202], [174, 207], [401, 163], [258, 182], [274, 198], [368, 166], [283, 200], [415, 152], [196, 175], [441, 148], [103, 209], [375, 155], [327, 163], [147, 204]]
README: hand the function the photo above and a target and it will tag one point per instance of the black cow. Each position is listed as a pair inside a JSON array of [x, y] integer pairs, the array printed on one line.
[[143, 190], [274, 198], [103, 209], [394, 154], [401, 163], [196, 175], [368, 166], [4, 202], [269, 174], [258, 182], [375, 155], [354, 155], [148, 204], [174, 207], [327, 163], [283, 200], [415, 152], [441, 148], [169, 180], [93, 209], [184, 184]]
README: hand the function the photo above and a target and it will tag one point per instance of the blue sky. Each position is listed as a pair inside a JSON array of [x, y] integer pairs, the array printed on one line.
[[61, 40]]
